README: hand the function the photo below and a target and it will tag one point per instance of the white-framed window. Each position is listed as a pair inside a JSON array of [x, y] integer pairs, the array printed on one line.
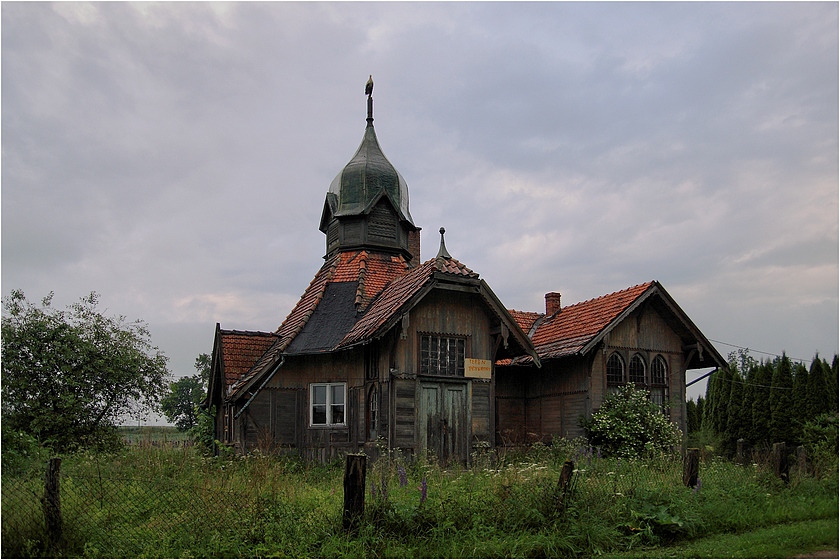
[[442, 355], [326, 404]]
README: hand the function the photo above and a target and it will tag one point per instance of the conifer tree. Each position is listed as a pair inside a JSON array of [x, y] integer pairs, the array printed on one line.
[[800, 399], [761, 403], [707, 422], [781, 402], [690, 416], [734, 428], [819, 401], [831, 375], [746, 403], [701, 407], [721, 415]]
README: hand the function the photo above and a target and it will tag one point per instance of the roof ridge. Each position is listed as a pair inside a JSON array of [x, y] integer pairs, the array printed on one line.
[[625, 290], [247, 333]]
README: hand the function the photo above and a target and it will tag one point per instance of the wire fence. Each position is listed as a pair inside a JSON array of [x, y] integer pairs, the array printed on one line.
[[128, 516]]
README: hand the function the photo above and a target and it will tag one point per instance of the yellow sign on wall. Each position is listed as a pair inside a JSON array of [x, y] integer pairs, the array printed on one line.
[[482, 369]]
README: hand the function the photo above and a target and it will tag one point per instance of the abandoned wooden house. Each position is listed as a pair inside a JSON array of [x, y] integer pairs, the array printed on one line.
[[423, 356]]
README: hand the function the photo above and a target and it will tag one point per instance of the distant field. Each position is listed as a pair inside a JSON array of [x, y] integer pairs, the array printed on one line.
[[152, 434]]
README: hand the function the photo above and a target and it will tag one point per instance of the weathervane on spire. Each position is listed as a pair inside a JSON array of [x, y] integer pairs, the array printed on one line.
[[369, 93]]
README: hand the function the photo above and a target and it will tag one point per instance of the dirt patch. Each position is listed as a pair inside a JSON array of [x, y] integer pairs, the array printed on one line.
[[820, 554]]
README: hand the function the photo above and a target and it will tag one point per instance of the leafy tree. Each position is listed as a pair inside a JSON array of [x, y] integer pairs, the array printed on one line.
[[628, 424], [69, 377], [180, 405]]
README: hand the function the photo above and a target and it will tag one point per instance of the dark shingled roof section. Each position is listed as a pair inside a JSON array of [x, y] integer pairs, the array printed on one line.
[[332, 319], [368, 274], [571, 328], [240, 349]]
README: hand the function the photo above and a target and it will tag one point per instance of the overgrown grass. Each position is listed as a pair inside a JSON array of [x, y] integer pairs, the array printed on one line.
[[163, 502]]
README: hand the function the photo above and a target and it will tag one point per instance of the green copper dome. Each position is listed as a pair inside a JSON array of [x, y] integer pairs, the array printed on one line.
[[360, 184]]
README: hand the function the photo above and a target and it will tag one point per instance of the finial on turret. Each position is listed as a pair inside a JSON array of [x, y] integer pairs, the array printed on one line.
[[442, 252], [369, 93]]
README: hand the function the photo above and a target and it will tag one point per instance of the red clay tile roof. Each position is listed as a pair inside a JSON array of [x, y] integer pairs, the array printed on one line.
[[240, 350], [525, 319], [571, 328], [398, 293]]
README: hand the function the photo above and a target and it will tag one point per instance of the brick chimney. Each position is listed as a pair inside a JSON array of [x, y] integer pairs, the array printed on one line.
[[414, 247], [552, 303]]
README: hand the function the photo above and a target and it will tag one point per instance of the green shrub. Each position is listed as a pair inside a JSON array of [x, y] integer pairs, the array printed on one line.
[[629, 425]]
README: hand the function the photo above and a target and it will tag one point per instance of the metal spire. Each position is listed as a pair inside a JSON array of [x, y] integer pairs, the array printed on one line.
[[442, 252]]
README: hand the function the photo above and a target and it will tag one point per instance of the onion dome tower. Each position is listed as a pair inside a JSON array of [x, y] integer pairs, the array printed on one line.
[[367, 203]]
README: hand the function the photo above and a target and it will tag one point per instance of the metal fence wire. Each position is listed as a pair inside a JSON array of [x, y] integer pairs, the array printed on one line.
[[115, 516], [122, 516]]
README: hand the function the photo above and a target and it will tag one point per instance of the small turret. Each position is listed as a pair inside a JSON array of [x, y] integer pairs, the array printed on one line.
[[367, 203]]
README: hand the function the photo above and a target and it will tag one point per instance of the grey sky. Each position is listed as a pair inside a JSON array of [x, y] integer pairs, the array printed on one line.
[[175, 157]]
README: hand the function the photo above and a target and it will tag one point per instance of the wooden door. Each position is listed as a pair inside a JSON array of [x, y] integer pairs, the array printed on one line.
[[443, 425]]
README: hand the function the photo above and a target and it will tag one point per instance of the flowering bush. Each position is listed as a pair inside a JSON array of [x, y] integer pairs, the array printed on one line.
[[628, 424]]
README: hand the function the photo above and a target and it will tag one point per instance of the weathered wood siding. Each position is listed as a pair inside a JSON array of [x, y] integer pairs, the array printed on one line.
[[645, 332], [404, 391]]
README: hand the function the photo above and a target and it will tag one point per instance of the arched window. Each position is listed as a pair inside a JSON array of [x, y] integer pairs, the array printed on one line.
[[615, 369], [658, 371], [637, 370], [372, 413], [659, 381]]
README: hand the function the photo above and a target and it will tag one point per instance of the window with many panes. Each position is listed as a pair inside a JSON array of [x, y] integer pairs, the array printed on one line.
[[637, 370], [615, 369], [659, 381], [655, 380], [326, 404], [442, 355]]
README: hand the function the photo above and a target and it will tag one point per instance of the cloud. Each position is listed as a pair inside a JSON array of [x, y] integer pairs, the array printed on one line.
[[175, 157]]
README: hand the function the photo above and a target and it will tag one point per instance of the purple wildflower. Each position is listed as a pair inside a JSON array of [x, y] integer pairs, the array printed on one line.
[[403, 477], [384, 489], [373, 489], [423, 490], [699, 484]]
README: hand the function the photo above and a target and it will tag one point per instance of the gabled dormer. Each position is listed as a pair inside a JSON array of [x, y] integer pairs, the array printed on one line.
[[366, 206]]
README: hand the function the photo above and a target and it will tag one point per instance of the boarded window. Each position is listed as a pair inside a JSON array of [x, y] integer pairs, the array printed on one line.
[[637, 370], [440, 355], [615, 369]]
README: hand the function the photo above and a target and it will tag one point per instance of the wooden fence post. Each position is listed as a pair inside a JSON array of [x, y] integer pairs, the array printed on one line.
[[355, 470], [780, 463], [52, 502], [801, 460], [741, 452], [564, 483], [691, 467]]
